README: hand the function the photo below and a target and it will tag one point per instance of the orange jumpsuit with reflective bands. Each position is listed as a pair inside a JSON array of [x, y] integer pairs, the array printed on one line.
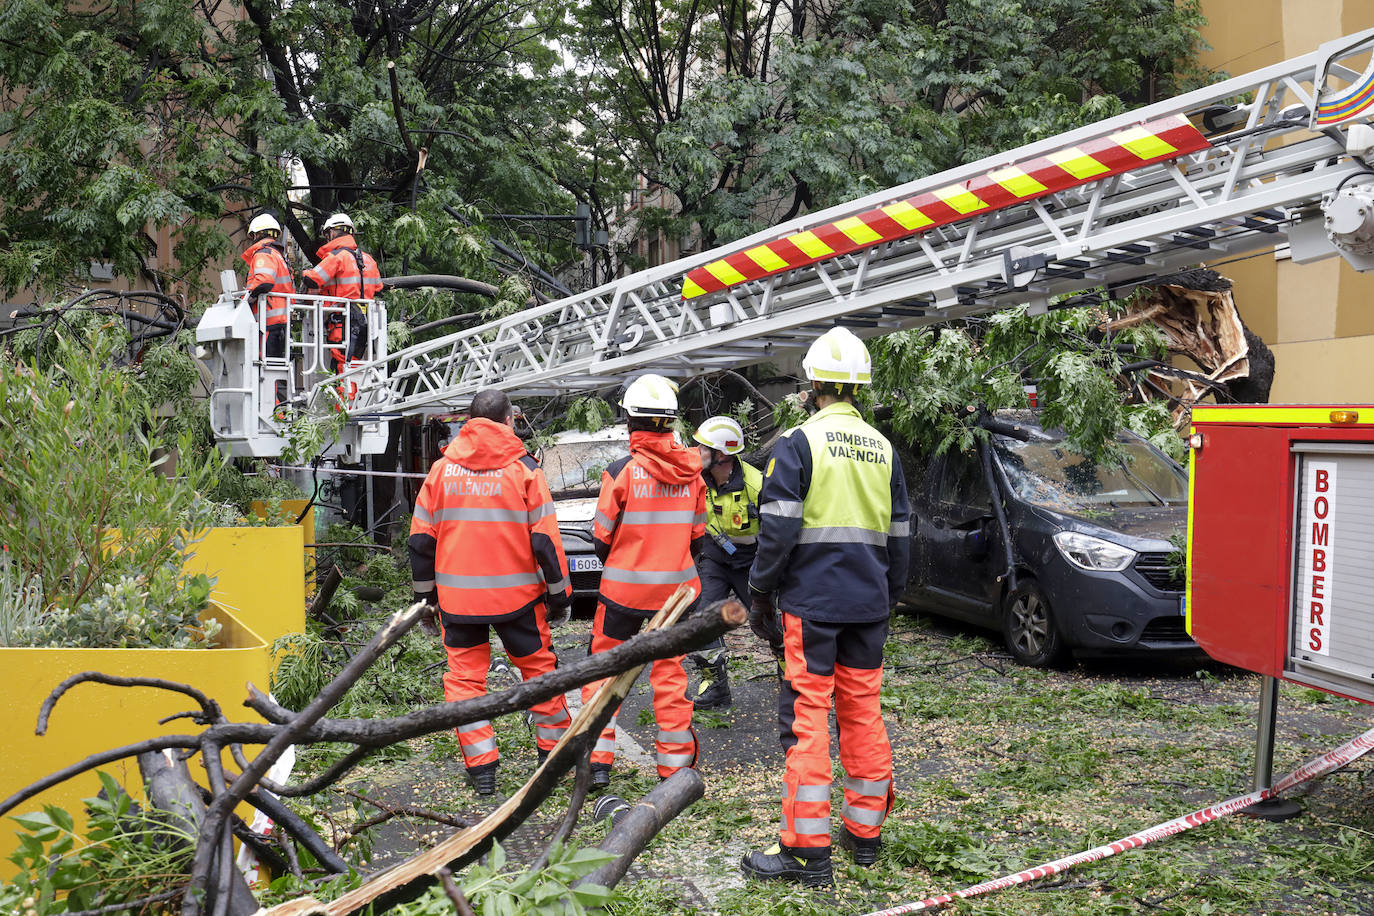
[[650, 523], [267, 264], [833, 544], [484, 537], [348, 272]]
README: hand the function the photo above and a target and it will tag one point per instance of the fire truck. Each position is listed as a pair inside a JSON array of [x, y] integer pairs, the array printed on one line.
[[1271, 158], [1276, 157]]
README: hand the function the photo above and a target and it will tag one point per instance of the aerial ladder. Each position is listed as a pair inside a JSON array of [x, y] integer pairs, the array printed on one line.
[[1272, 158]]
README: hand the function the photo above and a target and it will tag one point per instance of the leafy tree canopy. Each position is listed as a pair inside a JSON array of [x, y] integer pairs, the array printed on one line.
[[121, 121]]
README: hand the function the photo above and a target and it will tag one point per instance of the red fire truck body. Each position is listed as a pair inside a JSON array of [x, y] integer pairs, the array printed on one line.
[[1281, 542]]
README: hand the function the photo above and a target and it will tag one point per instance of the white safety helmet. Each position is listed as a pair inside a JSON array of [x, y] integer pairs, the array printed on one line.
[[840, 357], [650, 396], [264, 222], [722, 434], [337, 221]]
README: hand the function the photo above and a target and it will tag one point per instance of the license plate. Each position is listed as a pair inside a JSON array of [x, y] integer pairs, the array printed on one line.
[[584, 564], [1183, 606]]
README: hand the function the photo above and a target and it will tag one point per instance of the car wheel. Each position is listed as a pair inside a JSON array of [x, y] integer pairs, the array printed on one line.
[[1030, 629]]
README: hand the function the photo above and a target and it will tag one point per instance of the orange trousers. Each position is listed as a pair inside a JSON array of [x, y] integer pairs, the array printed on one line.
[[843, 662], [676, 742], [529, 644]]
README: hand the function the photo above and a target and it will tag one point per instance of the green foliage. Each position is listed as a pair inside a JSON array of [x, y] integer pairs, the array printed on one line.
[[935, 379], [808, 105], [21, 602], [312, 430], [789, 412], [495, 891], [589, 414], [96, 524], [301, 669], [943, 849], [123, 853]]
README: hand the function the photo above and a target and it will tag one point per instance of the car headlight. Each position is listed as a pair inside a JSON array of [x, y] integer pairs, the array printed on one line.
[[1088, 552]]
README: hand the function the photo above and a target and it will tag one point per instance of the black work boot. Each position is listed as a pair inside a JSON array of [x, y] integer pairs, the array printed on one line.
[[779, 864], [483, 778], [863, 849], [601, 776], [714, 691]]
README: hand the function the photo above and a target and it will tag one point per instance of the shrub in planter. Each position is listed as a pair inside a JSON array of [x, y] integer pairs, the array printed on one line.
[[89, 521]]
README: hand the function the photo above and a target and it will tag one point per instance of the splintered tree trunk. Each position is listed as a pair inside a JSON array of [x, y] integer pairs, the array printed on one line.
[[639, 825], [176, 798]]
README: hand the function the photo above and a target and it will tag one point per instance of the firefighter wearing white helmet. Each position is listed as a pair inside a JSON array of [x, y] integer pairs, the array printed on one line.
[[732, 528], [651, 396], [344, 271], [649, 524], [270, 285], [833, 553]]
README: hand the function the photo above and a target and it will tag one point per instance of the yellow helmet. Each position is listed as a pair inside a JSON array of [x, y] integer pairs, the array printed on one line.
[[650, 396], [722, 434], [840, 357]]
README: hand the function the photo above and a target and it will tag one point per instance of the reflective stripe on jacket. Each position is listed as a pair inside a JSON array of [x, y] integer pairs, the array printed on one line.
[[651, 513], [732, 509], [337, 273], [835, 530], [267, 264], [484, 531]]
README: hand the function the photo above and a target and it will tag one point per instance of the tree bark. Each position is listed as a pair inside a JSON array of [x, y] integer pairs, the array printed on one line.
[[642, 823], [176, 797]]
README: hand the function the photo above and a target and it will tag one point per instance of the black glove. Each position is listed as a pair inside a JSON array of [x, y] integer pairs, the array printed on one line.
[[763, 620]]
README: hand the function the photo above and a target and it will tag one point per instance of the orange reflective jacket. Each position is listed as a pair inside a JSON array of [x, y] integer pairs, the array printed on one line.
[[345, 271], [484, 531], [650, 520], [267, 264]]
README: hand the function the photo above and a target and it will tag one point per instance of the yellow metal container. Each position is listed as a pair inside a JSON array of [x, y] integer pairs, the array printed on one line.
[[260, 573], [260, 595], [91, 718]]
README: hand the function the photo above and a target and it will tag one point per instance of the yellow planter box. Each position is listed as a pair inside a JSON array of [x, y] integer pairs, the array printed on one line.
[[260, 573], [91, 718], [260, 595]]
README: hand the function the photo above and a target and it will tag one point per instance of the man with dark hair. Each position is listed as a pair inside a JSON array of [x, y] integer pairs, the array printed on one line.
[[492, 404], [485, 550], [833, 546]]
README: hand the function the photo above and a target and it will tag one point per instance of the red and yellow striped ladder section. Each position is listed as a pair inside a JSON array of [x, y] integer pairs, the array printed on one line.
[[1123, 151]]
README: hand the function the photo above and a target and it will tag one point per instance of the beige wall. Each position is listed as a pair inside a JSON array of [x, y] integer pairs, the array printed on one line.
[[1317, 318]]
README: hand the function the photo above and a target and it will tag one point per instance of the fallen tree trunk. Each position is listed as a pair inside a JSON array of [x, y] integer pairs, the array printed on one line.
[[642, 822], [175, 797]]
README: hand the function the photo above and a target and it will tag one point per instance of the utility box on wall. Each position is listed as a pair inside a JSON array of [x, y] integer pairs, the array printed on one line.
[[1281, 542]]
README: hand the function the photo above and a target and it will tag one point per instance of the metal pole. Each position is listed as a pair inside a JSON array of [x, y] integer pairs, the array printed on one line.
[[371, 517], [1265, 732], [1271, 809]]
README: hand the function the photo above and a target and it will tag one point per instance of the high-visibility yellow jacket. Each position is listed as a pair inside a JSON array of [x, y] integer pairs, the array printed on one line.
[[835, 531]]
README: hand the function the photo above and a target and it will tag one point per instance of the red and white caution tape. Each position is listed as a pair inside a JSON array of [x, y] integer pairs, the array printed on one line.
[[1319, 766]]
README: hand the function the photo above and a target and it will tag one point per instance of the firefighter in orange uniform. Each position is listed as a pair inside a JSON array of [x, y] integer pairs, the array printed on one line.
[[833, 547], [346, 271], [268, 274], [650, 525], [485, 550]]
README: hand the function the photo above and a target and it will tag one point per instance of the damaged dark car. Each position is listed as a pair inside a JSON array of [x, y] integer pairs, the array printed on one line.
[[1091, 569]]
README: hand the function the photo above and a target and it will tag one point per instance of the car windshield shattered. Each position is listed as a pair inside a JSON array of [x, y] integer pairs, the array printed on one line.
[[578, 465], [1050, 474]]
